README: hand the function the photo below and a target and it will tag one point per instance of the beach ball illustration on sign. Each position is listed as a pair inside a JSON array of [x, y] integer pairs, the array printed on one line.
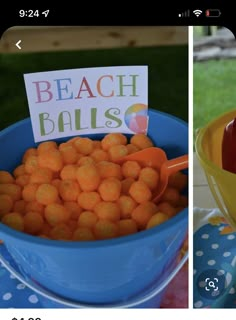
[[136, 118]]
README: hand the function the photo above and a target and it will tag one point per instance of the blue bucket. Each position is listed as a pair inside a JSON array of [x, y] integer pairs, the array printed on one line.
[[151, 298], [105, 271]]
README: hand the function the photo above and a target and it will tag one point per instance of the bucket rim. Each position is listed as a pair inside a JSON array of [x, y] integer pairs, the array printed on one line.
[[206, 163], [27, 120], [162, 228]]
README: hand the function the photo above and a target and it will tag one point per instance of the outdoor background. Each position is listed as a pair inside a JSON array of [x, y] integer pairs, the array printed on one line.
[[163, 49], [214, 74]]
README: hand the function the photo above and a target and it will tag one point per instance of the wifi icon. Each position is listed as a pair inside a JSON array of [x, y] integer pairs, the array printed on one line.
[[197, 12]]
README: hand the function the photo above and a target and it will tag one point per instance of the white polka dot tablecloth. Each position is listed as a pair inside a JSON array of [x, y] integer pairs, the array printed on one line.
[[214, 250], [14, 294]]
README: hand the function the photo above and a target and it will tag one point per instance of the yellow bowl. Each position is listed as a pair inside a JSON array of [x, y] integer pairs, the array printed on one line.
[[221, 182]]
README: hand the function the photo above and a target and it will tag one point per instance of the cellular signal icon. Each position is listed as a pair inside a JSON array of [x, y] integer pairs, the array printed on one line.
[[197, 12], [184, 14]]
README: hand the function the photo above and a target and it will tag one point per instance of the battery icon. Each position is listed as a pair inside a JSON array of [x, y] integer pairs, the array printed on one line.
[[213, 13]]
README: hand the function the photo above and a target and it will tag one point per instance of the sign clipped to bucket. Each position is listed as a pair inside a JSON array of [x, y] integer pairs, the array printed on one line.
[[85, 101]]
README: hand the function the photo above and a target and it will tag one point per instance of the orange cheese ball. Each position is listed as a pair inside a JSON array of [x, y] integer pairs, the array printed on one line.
[[85, 160], [178, 180], [23, 180], [126, 205], [72, 140], [52, 160], [6, 204], [33, 222], [41, 175], [99, 155], [46, 146], [105, 229], [166, 208], [13, 190], [19, 170], [64, 145], [141, 141], [31, 164], [110, 189], [19, 206], [107, 211], [88, 177], [126, 184], [46, 194], [14, 220], [143, 213], [84, 146], [132, 148], [68, 172], [127, 226], [69, 190], [157, 219], [61, 232], [69, 154], [113, 139], [29, 192], [29, 152], [34, 206], [87, 219], [88, 200], [56, 213], [140, 192], [131, 169], [74, 209], [80, 190], [6, 177], [149, 176], [109, 169], [83, 234], [171, 195], [117, 152]]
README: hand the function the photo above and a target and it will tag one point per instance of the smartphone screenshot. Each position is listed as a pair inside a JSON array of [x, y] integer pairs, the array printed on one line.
[[94, 173], [214, 167], [117, 163]]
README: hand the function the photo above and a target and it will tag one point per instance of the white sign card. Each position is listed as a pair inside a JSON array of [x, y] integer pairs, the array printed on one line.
[[74, 102]]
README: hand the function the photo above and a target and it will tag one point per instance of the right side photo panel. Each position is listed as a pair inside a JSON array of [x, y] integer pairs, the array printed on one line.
[[214, 170]]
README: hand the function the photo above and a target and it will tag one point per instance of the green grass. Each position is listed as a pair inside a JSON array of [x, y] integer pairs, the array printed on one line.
[[213, 90], [199, 31], [168, 75]]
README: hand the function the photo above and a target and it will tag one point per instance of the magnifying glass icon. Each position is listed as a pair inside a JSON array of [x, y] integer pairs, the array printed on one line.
[[211, 284]]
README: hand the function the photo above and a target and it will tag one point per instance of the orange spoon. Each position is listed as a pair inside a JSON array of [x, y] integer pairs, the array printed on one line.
[[156, 158]]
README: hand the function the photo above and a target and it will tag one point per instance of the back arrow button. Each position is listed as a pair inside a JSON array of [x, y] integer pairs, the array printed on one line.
[[18, 45]]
